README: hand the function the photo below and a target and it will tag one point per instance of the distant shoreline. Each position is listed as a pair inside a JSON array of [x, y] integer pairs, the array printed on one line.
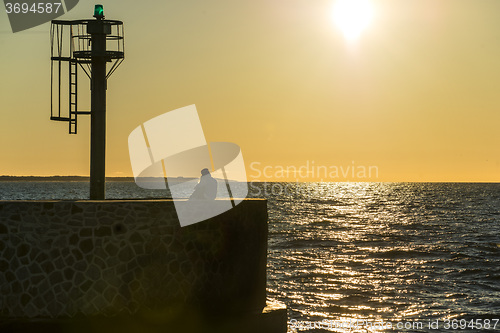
[[131, 179], [61, 178], [87, 179], [82, 179]]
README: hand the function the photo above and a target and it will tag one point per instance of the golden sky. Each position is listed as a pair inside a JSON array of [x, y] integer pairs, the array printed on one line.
[[416, 95]]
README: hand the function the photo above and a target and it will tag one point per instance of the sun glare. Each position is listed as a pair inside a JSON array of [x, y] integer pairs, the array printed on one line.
[[352, 16]]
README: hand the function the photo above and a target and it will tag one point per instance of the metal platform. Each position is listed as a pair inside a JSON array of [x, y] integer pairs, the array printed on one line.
[[71, 50]]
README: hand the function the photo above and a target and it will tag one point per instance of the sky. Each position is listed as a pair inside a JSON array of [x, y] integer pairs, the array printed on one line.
[[413, 97]]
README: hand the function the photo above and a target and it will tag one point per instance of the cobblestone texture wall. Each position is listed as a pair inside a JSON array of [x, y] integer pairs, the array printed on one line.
[[68, 258]]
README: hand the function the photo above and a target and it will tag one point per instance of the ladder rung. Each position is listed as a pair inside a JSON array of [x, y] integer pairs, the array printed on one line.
[[61, 58], [79, 113], [59, 118]]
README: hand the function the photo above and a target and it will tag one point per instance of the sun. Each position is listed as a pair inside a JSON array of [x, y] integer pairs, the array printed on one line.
[[352, 16]]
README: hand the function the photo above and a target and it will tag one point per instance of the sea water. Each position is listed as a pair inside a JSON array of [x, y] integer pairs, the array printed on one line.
[[365, 257]]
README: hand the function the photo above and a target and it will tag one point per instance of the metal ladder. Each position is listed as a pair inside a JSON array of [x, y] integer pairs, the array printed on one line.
[[73, 99]]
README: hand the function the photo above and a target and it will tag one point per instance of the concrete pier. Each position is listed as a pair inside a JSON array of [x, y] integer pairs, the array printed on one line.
[[70, 265]]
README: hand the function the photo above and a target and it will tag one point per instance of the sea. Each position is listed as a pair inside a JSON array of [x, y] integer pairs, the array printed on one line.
[[365, 257]]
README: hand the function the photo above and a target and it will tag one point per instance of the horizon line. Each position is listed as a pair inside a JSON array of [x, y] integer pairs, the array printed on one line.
[[268, 181]]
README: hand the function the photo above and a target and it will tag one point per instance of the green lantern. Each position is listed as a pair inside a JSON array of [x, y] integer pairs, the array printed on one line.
[[98, 11]]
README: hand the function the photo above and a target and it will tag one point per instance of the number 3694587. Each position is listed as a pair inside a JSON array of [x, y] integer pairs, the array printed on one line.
[[36, 8]]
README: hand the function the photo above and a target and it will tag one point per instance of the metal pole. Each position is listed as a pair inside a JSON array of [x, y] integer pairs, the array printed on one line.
[[98, 110]]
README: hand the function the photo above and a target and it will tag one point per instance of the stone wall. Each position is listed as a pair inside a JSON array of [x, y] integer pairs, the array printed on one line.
[[61, 259]]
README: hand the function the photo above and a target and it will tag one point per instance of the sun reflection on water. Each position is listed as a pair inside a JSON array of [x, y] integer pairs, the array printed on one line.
[[383, 251]]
